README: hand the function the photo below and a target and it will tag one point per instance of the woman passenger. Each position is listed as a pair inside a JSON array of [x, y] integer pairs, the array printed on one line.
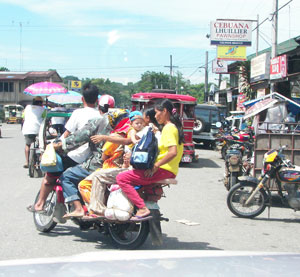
[[170, 148]]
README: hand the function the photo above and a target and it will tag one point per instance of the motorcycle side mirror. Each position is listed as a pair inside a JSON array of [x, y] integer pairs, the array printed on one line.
[[218, 124]]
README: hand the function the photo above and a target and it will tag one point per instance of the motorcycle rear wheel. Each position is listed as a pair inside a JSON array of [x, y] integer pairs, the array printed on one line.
[[128, 236], [44, 221], [239, 194], [33, 167]]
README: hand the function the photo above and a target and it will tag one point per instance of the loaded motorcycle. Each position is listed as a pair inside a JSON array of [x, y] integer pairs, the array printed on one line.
[[237, 162], [251, 196], [124, 234]]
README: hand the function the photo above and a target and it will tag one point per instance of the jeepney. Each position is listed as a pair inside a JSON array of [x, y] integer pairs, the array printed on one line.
[[13, 113]]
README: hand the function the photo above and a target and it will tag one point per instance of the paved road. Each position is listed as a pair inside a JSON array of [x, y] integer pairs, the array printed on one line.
[[199, 197]]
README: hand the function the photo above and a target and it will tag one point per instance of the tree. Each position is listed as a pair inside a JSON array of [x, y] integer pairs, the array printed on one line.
[[4, 68], [244, 79], [152, 80], [70, 78]]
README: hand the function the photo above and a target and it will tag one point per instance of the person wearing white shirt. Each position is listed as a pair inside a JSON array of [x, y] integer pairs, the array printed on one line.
[[33, 117], [58, 123]]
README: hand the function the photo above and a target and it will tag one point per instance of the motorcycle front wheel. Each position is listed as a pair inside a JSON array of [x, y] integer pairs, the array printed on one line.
[[128, 235], [223, 151], [233, 179], [44, 221], [238, 196]]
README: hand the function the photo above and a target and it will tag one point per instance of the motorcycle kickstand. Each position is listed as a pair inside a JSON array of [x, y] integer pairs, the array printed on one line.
[[269, 208]]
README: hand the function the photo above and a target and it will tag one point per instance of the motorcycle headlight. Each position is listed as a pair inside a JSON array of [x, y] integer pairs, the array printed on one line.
[[234, 160]]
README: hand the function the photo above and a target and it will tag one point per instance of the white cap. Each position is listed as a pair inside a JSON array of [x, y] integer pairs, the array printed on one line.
[[106, 100]]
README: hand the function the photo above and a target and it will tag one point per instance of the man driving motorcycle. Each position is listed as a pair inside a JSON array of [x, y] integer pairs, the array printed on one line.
[[77, 120], [72, 176]]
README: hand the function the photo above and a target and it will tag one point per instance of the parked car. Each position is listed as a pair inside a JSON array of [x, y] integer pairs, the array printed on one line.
[[205, 127]]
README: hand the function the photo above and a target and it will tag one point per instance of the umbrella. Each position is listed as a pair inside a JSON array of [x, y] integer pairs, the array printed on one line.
[[44, 89], [71, 97]]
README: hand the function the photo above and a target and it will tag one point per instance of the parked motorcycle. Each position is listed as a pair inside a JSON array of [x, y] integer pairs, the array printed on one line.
[[124, 234], [225, 136], [251, 196], [237, 162]]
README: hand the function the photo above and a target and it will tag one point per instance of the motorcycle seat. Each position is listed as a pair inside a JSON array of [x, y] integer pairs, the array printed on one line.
[[170, 181]]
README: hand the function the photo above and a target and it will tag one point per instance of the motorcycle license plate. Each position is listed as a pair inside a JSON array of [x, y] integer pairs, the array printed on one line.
[[186, 159]]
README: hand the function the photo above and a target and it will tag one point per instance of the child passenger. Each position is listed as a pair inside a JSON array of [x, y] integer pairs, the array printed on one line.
[[137, 124]]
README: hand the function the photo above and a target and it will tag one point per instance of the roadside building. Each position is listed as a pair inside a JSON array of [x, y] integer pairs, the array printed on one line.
[[12, 85], [254, 77]]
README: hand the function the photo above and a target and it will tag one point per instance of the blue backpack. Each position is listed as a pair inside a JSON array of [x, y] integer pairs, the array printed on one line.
[[144, 153]]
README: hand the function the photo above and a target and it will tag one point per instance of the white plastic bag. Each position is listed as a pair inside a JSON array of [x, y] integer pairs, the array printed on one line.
[[118, 205], [49, 156]]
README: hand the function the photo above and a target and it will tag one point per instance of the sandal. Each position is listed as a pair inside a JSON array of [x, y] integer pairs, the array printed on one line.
[[32, 209], [141, 218], [71, 215]]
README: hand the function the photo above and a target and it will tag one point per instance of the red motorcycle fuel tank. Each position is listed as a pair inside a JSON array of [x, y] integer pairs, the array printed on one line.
[[289, 175]]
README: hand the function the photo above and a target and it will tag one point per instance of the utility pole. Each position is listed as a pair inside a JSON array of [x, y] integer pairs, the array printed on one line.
[[206, 78], [21, 66], [274, 35], [171, 66], [257, 35]]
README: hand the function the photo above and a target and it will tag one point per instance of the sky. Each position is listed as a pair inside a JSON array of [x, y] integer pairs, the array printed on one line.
[[122, 39]]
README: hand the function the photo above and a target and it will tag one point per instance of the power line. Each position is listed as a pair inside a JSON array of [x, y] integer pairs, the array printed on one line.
[[272, 15]]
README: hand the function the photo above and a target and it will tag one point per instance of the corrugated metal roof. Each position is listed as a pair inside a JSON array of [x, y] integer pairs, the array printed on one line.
[[282, 48], [9, 75]]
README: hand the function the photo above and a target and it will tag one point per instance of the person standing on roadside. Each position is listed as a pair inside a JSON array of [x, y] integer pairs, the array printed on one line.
[[33, 117]]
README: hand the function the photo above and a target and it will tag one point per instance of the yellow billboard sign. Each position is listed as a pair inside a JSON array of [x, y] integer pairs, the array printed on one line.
[[232, 53], [75, 84]]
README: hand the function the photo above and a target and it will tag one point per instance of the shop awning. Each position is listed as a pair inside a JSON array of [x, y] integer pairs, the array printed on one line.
[[293, 106], [260, 106]]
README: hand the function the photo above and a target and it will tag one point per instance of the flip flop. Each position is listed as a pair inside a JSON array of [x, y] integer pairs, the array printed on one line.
[[140, 218], [32, 209], [92, 217], [70, 215]]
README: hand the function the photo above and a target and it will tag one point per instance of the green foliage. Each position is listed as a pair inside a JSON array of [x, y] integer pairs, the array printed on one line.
[[4, 68], [152, 80], [244, 71], [70, 78], [149, 81]]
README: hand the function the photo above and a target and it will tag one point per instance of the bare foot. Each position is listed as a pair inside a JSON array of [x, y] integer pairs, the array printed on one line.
[[142, 212], [38, 207]]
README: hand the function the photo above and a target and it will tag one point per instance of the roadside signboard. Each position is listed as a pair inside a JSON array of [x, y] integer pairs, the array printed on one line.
[[278, 67], [229, 96], [223, 85], [219, 66], [240, 100], [260, 68], [231, 32], [75, 85], [232, 53]]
